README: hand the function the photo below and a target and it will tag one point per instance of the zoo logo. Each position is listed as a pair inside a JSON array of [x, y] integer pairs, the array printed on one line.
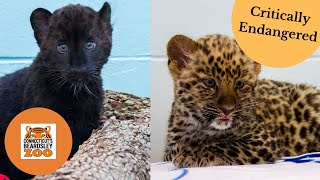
[[38, 137], [38, 141]]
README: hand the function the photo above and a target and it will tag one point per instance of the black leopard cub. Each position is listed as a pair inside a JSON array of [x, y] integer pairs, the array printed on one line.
[[75, 43], [223, 115]]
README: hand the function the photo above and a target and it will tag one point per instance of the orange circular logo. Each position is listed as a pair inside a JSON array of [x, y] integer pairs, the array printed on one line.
[[38, 141], [277, 33]]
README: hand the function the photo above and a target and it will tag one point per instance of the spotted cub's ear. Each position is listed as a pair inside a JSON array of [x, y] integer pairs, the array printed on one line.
[[40, 23], [256, 67], [178, 50]]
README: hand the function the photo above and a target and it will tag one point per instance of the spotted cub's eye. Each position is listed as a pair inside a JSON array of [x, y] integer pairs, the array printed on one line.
[[209, 83], [239, 85], [90, 46], [62, 48]]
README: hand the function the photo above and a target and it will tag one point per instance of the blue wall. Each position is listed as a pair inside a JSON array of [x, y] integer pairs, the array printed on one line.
[[128, 69]]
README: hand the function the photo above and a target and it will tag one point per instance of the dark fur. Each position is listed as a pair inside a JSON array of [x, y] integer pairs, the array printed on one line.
[[69, 83]]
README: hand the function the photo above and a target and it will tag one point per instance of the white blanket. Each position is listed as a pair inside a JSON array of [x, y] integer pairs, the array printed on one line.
[[302, 167]]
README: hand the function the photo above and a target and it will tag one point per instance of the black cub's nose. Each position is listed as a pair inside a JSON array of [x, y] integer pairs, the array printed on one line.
[[79, 71]]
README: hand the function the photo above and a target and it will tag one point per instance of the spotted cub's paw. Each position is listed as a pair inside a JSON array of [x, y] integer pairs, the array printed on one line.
[[167, 157], [183, 156], [184, 161], [189, 157], [188, 161]]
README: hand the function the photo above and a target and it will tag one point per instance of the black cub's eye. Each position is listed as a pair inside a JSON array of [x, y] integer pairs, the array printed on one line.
[[209, 83], [90, 45], [239, 85], [62, 48]]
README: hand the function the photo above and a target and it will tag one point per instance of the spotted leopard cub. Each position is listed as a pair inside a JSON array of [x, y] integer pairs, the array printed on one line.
[[223, 115]]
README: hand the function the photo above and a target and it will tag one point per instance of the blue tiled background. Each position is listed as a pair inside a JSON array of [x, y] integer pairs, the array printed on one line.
[[128, 69]]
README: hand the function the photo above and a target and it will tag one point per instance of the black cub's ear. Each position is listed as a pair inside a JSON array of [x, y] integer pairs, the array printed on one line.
[[178, 49], [40, 23], [105, 12]]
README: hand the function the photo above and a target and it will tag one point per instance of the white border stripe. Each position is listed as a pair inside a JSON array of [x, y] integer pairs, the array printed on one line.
[[15, 61], [29, 60]]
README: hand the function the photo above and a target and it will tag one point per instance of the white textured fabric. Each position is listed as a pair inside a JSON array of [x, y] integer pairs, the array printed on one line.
[[304, 167]]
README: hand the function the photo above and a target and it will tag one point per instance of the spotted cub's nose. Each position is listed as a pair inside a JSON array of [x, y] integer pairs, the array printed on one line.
[[227, 111], [227, 104]]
